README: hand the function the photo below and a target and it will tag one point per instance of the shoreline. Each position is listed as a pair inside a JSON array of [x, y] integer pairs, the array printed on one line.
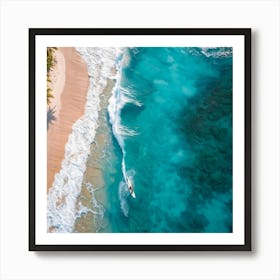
[[64, 198], [69, 83]]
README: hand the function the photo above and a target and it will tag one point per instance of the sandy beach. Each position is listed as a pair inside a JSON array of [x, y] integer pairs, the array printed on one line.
[[69, 84]]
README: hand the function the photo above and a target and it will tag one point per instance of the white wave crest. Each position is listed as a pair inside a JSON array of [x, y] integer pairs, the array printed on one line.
[[62, 197], [117, 101], [216, 52]]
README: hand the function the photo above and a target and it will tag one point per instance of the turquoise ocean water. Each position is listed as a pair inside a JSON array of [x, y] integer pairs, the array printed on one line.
[[172, 136], [166, 127]]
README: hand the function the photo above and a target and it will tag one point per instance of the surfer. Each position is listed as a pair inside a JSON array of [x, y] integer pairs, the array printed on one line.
[[130, 187]]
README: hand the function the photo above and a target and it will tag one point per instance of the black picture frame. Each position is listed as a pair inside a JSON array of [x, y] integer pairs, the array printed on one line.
[[33, 245]]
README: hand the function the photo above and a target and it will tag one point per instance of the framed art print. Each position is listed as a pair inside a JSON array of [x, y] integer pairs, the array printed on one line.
[[140, 139]]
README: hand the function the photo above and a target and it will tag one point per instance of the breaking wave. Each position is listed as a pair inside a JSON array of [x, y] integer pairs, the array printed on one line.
[[120, 97], [219, 52]]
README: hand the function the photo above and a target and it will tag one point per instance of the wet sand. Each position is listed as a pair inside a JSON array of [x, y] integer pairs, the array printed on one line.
[[69, 86]]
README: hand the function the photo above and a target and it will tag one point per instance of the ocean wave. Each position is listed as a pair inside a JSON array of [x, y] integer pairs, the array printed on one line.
[[218, 52], [117, 102], [62, 197], [120, 97]]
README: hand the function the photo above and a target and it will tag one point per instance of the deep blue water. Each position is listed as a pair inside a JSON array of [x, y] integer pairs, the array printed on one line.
[[175, 142]]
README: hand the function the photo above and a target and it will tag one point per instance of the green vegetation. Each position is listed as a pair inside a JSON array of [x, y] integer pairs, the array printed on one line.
[[50, 64], [49, 95]]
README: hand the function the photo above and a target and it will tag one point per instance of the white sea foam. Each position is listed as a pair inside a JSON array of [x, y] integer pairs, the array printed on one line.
[[124, 193], [97, 208], [219, 52], [123, 197], [216, 52], [62, 197], [117, 101]]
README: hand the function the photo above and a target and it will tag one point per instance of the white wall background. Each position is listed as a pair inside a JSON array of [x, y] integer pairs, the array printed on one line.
[[16, 262]]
